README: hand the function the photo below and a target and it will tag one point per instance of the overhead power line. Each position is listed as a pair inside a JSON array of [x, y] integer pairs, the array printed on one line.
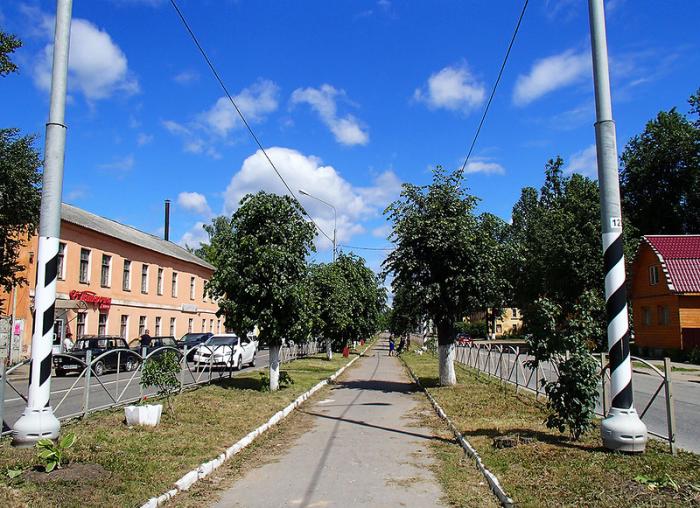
[[366, 248], [495, 85], [240, 114]]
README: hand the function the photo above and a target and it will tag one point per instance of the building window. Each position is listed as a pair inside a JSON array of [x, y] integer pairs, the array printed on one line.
[[499, 329], [126, 279], [144, 278], [174, 285], [646, 316], [218, 327], [158, 334], [159, 282], [142, 325], [61, 255], [85, 266], [192, 288], [664, 317], [105, 271], [514, 313], [653, 275], [80, 324], [204, 325], [124, 326], [211, 325], [190, 324], [102, 324], [172, 326]]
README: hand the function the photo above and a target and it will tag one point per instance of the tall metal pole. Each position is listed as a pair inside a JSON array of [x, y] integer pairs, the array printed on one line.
[[622, 429], [335, 218], [38, 420]]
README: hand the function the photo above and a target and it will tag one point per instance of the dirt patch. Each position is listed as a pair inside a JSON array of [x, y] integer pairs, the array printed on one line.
[[76, 472]]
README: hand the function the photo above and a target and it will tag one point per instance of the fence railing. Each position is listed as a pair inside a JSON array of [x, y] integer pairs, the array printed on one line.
[[78, 400], [509, 365]]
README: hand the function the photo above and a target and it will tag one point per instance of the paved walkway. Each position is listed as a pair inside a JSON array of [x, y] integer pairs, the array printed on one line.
[[363, 449]]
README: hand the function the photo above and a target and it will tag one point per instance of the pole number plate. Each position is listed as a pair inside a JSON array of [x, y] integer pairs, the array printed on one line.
[[615, 222]]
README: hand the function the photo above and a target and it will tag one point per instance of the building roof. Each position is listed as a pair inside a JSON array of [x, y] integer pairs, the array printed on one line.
[[128, 234], [680, 259]]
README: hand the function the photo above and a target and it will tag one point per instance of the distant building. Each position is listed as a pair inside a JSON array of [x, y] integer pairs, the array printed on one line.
[[508, 322], [666, 292], [115, 280]]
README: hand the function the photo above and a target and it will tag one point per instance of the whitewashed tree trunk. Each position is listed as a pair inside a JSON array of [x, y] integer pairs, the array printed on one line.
[[274, 368], [447, 364], [329, 349]]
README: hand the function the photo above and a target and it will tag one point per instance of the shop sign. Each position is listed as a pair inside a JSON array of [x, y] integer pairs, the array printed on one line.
[[89, 297]]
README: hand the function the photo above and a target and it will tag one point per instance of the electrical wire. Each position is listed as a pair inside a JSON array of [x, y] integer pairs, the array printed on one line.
[[240, 113], [366, 248], [495, 85]]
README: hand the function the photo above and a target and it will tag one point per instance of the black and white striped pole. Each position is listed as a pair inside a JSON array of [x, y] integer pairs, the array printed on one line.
[[38, 421], [622, 429]]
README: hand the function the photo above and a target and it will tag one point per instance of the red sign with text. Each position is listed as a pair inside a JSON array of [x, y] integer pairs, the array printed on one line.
[[102, 302]]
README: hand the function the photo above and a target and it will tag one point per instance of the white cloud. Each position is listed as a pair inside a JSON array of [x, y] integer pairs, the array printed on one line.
[[194, 202], [382, 231], [353, 204], [97, 67], [186, 77], [452, 88], [119, 165], [482, 165], [255, 102], [550, 74], [584, 162], [144, 139], [194, 236], [347, 130]]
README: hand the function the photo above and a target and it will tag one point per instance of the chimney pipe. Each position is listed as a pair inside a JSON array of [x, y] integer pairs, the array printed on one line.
[[166, 229]]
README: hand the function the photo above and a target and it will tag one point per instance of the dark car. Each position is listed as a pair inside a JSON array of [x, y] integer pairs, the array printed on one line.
[[97, 345], [191, 341]]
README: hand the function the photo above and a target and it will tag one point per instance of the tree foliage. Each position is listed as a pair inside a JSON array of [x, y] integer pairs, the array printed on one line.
[[20, 200], [8, 44], [260, 260], [660, 177]]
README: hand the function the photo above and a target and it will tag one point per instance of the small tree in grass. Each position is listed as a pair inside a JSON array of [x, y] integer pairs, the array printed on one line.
[[161, 371], [565, 340]]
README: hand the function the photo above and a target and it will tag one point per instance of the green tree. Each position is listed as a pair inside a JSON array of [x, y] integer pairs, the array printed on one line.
[[261, 271], [20, 200], [436, 255], [330, 301], [660, 176], [8, 44], [405, 315]]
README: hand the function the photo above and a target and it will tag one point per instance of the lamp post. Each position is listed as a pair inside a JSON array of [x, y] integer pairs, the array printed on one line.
[[335, 216]]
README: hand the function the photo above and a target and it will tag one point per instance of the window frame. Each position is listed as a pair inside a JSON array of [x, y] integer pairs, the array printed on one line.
[[173, 284], [106, 282], [173, 326], [87, 262], [124, 326], [100, 324], [144, 278], [61, 263], [159, 281], [653, 275], [193, 287], [126, 275]]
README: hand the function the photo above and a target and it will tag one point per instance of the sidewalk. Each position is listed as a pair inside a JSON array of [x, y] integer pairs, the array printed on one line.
[[361, 450]]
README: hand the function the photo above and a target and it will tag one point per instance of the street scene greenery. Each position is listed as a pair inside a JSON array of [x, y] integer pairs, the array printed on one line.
[[547, 468], [121, 466]]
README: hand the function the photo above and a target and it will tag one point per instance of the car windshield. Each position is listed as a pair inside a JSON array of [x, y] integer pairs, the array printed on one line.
[[221, 341], [192, 337]]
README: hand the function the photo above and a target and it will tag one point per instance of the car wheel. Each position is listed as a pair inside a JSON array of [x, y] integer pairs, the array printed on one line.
[[130, 364], [60, 373], [252, 362], [98, 368], [239, 365]]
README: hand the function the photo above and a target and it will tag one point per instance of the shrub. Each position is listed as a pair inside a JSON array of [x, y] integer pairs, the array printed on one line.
[[51, 454], [161, 371]]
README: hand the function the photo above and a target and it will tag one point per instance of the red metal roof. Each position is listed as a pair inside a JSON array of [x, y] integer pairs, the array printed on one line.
[[680, 256]]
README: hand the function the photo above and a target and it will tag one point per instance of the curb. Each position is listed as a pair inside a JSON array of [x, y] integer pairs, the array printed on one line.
[[491, 478], [206, 468]]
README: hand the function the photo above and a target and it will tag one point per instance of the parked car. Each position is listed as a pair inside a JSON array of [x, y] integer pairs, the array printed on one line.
[[464, 339], [97, 345], [227, 350], [191, 341], [157, 342]]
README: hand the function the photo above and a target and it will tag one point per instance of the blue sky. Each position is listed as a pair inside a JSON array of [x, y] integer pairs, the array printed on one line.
[[350, 97]]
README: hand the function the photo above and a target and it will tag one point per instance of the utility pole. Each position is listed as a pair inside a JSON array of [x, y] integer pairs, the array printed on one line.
[[622, 429], [37, 420], [335, 218]]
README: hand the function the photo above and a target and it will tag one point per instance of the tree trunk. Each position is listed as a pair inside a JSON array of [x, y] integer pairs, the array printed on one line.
[[329, 349], [274, 368], [446, 352]]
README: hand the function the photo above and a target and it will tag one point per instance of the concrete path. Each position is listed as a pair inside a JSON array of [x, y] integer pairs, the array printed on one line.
[[363, 449]]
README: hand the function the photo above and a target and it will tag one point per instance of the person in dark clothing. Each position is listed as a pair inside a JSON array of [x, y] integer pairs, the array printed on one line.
[[402, 345], [145, 339], [391, 346]]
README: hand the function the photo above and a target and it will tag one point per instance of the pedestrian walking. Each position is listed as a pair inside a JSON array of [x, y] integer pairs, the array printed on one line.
[[68, 342], [402, 345], [392, 345]]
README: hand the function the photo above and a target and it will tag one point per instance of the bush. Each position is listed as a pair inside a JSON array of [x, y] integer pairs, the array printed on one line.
[[475, 329], [161, 371], [694, 355]]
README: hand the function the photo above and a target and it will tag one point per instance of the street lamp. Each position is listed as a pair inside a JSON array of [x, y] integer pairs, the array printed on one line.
[[335, 216]]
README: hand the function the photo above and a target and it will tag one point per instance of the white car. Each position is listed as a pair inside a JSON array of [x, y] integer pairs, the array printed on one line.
[[228, 350]]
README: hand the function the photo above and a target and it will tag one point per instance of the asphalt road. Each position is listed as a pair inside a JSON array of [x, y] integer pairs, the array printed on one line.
[[686, 396], [68, 393]]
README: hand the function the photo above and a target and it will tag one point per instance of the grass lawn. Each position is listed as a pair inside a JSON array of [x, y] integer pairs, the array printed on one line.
[[113, 465], [552, 470]]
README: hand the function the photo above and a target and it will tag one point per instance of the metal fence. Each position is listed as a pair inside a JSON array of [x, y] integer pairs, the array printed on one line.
[[123, 386], [509, 365]]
